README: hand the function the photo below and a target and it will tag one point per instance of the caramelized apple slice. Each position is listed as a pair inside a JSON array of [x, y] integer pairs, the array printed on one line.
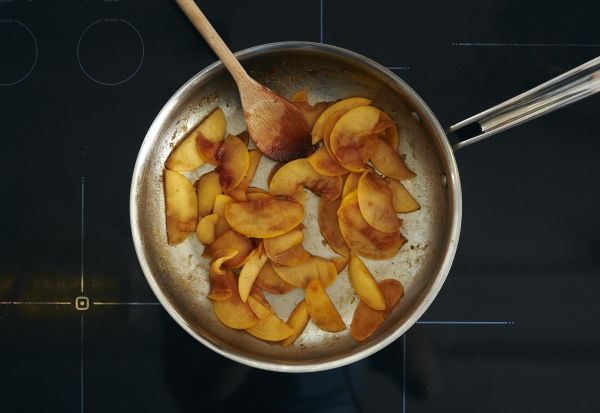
[[220, 288], [299, 173], [351, 183], [207, 150], [330, 227], [375, 200], [321, 309], [206, 229], [273, 171], [324, 164], [388, 162], [207, 189], [364, 284], [257, 196], [340, 263], [264, 218], [390, 134], [239, 192], [268, 280], [281, 243], [269, 326], [299, 196], [244, 137], [298, 320], [251, 268], [402, 199], [219, 209], [181, 207], [328, 128], [236, 241], [367, 320], [234, 162], [301, 275], [233, 312], [345, 104], [292, 257], [258, 295], [213, 127]]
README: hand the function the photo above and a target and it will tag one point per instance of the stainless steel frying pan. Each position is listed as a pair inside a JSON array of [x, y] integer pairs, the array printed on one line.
[[179, 275]]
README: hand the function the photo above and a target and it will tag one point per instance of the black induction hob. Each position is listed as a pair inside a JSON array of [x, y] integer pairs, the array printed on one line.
[[514, 327]]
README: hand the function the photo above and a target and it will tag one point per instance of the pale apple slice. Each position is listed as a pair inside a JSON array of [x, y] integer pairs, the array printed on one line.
[[340, 263], [301, 275], [234, 162], [321, 309], [235, 240], [351, 183], [213, 127], [298, 320], [364, 284], [375, 200], [268, 280], [328, 128], [402, 199], [233, 312], [390, 134], [269, 326], [239, 192], [219, 209], [207, 189], [206, 229], [258, 295], [220, 288], [250, 270], [367, 320], [345, 104], [281, 243], [388, 162], [330, 227], [324, 164], [181, 207], [299, 173], [264, 218], [292, 257], [184, 157]]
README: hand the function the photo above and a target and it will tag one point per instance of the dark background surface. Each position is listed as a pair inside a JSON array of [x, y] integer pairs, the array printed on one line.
[[518, 327]]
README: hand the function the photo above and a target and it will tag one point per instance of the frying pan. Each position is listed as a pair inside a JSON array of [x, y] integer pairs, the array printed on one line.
[[179, 275]]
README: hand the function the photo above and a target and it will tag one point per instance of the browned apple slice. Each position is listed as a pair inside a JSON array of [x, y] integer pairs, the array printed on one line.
[[330, 227], [206, 229], [340, 263], [362, 238], [388, 162], [207, 150], [268, 280], [234, 162], [324, 164], [299, 196], [367, 320], [299, 97], [181, 207], [220, 288], [321, 309], [264, 218], [301, 275], [364, 284], [375, 200], [298, 320], [351, 183], [299, 173], [250, 270], [244, 137], [281, 243], [235, 240], [207, 189], [258, 295], [219, 209], [311, 113], [292, 257], [269, 326], [402, 199], [233, 312], [328, 128], [257, 196], [345, 104], [390, 134], [239, 192], [273, 171]]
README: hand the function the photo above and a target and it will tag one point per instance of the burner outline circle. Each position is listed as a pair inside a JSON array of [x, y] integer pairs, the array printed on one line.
[[34, 61]]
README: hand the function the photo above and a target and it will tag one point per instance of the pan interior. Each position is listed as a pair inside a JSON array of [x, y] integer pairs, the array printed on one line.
[[179, 275]]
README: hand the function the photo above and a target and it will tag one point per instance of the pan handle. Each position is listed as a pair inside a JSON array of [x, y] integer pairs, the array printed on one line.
[[561, 91]]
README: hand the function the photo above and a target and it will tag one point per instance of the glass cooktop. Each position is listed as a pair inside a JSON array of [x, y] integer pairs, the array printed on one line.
[[513, 328]]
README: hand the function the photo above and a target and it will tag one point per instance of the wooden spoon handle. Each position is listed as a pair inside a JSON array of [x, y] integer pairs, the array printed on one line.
[[213, 39]]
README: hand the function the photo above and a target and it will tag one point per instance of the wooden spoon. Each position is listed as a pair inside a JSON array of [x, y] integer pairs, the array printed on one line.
[[276, 127]]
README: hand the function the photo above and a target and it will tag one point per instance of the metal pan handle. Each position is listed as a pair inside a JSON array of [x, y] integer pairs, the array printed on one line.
[[563, 90]]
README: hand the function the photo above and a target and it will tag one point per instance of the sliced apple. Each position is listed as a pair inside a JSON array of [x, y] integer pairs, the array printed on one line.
[[258, 295], [366, 320], [219, 209], [375, 200], [269, 326], [207, 150], [181, 207], [351, 183], [299, 97], [250, 270], [206, 229], [297, 321], [234, 240], [364, 284], [234, 162], [268, 280], [292, 257], [345, 104], [264, 218], [402, 199], [321, 309], [239, 192], [256, 196], [299, 173], [324, 164], [329, 127], [273, 171], [388, 162], [299, 196], [213, 127], [281, 243], [220, 288], [244, 137], [207, 188], [301, 275], [185, 156], [389, 134], [340, 263], [233, 312], [330, 227]]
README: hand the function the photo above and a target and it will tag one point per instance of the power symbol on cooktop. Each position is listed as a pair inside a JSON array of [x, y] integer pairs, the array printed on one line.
[[82, 303]]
